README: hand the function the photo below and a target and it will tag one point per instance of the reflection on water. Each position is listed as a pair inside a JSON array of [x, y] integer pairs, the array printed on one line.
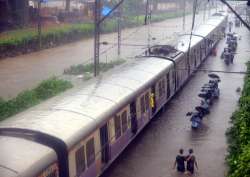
[[200, 134]]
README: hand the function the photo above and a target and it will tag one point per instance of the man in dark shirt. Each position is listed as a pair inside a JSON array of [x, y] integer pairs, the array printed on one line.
[[191, 162], [180, 162]]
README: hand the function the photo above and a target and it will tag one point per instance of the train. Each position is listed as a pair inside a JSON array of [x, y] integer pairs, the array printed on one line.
[[82, 131]]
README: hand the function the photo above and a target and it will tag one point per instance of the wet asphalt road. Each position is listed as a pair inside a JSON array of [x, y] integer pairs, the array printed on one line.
[[153, 152]]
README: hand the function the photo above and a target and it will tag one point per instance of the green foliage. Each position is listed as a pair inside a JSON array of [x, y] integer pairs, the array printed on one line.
[[89, 68], [51, 87], [29, 98], [239, 135], [26, 40]]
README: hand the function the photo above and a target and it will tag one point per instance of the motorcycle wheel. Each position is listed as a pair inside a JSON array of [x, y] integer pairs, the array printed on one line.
[[195, 125]]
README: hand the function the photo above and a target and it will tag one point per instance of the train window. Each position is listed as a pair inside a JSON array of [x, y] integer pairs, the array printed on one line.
[[163, 86], [90, 151], [173, 73], [80, 161], [147, 101], [142, 101], [160, 88], [52, 174], [117, 126], [124, 121]]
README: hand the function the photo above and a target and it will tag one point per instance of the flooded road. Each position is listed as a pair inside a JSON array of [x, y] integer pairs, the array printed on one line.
[[153, 152], [26, 71]]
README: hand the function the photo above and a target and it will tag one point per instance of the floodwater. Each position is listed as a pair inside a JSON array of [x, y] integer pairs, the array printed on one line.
[[26, 71], [153, 152]]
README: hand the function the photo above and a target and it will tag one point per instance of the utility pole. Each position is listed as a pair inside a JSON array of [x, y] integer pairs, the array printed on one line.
[[204, 12], [39, 25], [184, 15], [147, 21], [119, 30], [209, 9], [98, 21], [97, 37], [216, 6], [149, 36]]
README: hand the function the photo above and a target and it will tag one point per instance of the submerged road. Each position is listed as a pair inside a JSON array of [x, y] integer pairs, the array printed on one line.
[[26, 71], [153, 152]]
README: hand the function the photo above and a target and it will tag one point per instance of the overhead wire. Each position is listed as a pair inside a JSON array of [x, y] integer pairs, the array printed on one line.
[[144, 45], [192, 28]]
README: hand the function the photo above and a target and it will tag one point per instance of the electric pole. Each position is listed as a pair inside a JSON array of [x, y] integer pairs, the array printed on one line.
[[119, 14], [216, 5], [98, 21], [204, 12], [97, 37], [147, 21], [39, 24], [209, 9], [184, 15]]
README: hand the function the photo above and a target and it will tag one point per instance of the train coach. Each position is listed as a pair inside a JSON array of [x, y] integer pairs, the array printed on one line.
[[81, 132]]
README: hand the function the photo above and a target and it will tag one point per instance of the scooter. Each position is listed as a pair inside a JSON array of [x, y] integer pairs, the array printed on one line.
[[227, 54], [210, 92], [228, 58], [214, 83], [196, 119]]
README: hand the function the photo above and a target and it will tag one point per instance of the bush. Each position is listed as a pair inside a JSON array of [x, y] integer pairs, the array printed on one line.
[[239, 135], [26, 40], [51, 87], [89, 68], [29, 98]]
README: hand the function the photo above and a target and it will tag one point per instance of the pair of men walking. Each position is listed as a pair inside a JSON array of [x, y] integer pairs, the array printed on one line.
[[190, 160]]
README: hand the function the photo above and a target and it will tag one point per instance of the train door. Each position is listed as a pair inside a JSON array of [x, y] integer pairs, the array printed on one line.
[[134, 123], [201, 51], [153, 99], [168, 86], [194, 55], [104, 144], [205, 46]]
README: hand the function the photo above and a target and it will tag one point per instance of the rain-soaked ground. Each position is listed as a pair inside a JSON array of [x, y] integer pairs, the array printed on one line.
[[153, 152], [26, 71]]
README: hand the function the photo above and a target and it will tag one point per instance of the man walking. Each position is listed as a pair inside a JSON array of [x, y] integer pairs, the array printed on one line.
[[180, 162], [191, 162]]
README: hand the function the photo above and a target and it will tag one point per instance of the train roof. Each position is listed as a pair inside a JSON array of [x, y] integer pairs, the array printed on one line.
[[183, 42], [167, 52], [77, 113], [199, 33], [29, 160]]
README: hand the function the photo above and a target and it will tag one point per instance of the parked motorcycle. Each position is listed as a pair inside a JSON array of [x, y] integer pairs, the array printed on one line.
[[232, 41], [227, 55], [209, 92], [195, 118]]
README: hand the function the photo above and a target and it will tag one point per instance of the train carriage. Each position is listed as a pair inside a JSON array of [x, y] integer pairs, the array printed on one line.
[[85, 129], [97, 122], [30, 159]]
